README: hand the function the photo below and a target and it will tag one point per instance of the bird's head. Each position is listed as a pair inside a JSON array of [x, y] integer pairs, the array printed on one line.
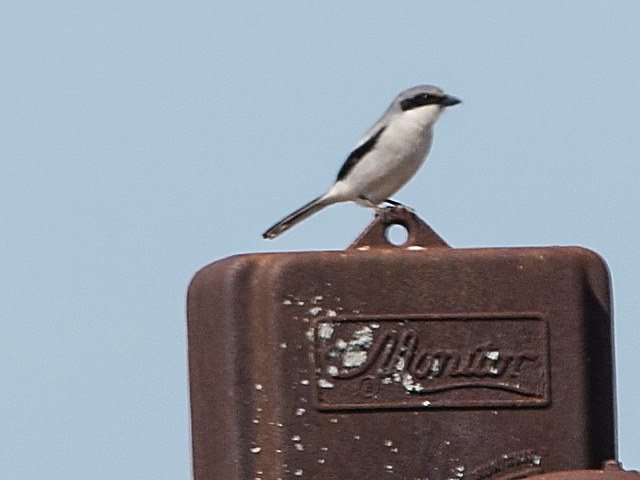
[[423, 96], [425, 101]]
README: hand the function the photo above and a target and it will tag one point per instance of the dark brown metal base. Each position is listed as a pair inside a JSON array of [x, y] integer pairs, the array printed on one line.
[[413, 362]]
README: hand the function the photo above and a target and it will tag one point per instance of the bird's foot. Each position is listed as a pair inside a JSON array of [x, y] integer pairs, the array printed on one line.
[[392, 206], [364, 201], [395, 204], [383, 211]]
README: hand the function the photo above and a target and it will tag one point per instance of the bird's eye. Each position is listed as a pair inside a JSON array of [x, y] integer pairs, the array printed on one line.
[[419, 100]]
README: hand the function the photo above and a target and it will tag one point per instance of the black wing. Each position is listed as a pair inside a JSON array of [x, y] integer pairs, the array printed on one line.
[[358, 153]]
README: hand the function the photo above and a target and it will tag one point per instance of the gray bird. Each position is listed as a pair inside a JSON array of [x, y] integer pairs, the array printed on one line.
[[385, 158]]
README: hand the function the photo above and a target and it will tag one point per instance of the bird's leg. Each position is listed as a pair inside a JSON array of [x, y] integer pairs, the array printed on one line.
[[368, 203], [396, 204]]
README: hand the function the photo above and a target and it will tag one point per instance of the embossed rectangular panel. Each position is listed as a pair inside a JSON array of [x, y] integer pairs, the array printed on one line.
[[401, 363], [431, 361]]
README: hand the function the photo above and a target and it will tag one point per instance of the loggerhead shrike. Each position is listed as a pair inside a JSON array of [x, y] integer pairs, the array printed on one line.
[[385, 158]]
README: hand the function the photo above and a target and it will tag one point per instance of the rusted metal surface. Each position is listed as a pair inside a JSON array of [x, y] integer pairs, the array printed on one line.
[[411, 362], [611, 470]]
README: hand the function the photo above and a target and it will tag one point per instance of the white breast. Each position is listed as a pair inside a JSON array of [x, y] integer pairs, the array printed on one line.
[[396, 157]]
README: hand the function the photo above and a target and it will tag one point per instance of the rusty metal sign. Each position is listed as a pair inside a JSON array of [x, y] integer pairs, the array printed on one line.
[[418, 361]]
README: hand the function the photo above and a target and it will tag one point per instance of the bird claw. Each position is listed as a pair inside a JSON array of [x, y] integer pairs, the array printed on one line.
[[395, 204], [382, 212], [394, 207]]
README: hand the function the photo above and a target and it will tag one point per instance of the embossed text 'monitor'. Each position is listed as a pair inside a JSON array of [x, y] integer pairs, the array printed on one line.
[[436, 360]]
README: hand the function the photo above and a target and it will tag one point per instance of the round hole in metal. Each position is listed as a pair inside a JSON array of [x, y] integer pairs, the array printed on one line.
[[396, 234]]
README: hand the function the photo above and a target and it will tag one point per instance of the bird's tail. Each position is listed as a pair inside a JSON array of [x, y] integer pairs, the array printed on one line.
[[290, 220]]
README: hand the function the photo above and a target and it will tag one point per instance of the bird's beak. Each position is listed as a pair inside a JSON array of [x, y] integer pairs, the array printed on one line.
[[449, 101]]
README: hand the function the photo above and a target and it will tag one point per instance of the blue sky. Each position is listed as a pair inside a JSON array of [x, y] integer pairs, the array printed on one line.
[[143, 140]]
